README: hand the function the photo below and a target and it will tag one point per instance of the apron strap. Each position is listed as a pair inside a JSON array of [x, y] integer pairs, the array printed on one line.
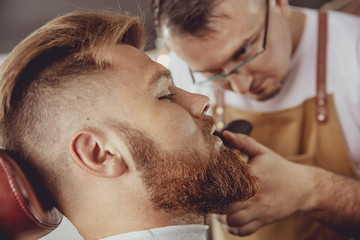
[[321, 102]]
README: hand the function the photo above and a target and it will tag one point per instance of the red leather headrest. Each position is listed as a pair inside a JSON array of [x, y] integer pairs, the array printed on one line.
[[21, 213]]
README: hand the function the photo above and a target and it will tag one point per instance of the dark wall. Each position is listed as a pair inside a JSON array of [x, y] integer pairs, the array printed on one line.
[[18, 18], [308, 3]]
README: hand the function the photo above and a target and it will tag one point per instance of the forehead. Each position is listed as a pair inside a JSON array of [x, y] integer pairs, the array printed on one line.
[[132, 66], [125, 56], [128, 85], [236, 21], [238, 9]]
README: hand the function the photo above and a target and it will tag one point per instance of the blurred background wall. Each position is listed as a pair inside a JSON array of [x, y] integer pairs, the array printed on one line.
[[18, 18]]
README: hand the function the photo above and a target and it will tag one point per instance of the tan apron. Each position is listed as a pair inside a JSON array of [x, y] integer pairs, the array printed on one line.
[[308, 134]]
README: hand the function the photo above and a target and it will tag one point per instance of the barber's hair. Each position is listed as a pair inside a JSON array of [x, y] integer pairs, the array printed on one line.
[[62, 56], [184, 16]]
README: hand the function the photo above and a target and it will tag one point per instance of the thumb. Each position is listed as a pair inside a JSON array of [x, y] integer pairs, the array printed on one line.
[[245, 143]]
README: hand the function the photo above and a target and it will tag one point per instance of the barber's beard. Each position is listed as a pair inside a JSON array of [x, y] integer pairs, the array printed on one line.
[[185, 183]]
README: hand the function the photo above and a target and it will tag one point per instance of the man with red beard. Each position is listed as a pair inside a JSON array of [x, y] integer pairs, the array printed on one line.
[[122, 152]]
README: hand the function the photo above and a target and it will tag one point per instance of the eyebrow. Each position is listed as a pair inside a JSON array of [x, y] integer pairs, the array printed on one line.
[[244, 43], [157, 75]]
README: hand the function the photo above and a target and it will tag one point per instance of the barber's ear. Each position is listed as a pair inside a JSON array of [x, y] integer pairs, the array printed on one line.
[[88, 150], [284, 7]]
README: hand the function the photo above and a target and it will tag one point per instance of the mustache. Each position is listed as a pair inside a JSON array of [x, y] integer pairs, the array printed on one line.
[[207, 124]]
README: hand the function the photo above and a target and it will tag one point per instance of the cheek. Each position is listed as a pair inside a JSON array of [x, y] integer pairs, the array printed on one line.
[[172, 127], [276, 63], [279, 52]]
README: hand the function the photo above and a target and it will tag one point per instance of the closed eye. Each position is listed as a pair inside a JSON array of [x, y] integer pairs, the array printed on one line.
[[242, 52], [169, 97]]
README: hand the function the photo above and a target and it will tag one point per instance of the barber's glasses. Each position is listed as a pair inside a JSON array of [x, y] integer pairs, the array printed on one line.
[[199, 78]]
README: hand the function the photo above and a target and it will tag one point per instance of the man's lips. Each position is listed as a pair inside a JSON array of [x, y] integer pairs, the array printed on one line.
[[213, 130], [219, 134]]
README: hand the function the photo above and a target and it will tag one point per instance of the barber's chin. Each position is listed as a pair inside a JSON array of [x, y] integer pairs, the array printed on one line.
[[264, 94]]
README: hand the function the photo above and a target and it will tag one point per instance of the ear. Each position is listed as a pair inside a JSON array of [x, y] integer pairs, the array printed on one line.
[[88, 151], [284, 7]]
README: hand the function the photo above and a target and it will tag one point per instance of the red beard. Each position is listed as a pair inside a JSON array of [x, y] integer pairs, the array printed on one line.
[[186, 183]]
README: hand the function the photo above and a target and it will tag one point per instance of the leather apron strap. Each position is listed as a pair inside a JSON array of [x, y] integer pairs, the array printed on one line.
[[321, 102]]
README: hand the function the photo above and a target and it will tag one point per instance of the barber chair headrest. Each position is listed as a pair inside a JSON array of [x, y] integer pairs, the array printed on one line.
[[22, 216]]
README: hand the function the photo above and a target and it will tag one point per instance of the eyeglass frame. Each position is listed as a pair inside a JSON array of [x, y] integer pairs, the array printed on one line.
[[235, 69]]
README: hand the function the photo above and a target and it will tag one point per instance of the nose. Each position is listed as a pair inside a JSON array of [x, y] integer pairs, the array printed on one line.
[[240, 81], [196, 104]]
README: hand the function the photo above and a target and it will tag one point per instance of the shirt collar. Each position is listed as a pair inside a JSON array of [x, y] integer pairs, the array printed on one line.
[[181, 232]]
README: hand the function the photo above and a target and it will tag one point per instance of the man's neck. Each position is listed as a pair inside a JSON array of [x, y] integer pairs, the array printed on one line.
[[137, 221]]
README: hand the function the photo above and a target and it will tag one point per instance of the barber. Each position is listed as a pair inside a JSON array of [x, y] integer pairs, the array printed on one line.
[[294, 73]]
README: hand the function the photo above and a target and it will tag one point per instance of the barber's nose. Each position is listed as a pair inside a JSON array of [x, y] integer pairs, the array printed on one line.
[[196, 104], [240, 82]]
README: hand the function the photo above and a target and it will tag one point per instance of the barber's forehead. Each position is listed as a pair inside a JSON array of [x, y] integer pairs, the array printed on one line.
[[242, 7], [239, 15]]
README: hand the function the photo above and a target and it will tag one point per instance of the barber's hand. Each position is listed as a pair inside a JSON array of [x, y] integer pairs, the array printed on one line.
[[285, 188]]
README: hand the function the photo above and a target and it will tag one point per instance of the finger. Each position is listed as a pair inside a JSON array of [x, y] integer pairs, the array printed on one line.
[[239, 218], [236, 219], [221, 218], [243, 230], [238, 206], [245, 143]]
